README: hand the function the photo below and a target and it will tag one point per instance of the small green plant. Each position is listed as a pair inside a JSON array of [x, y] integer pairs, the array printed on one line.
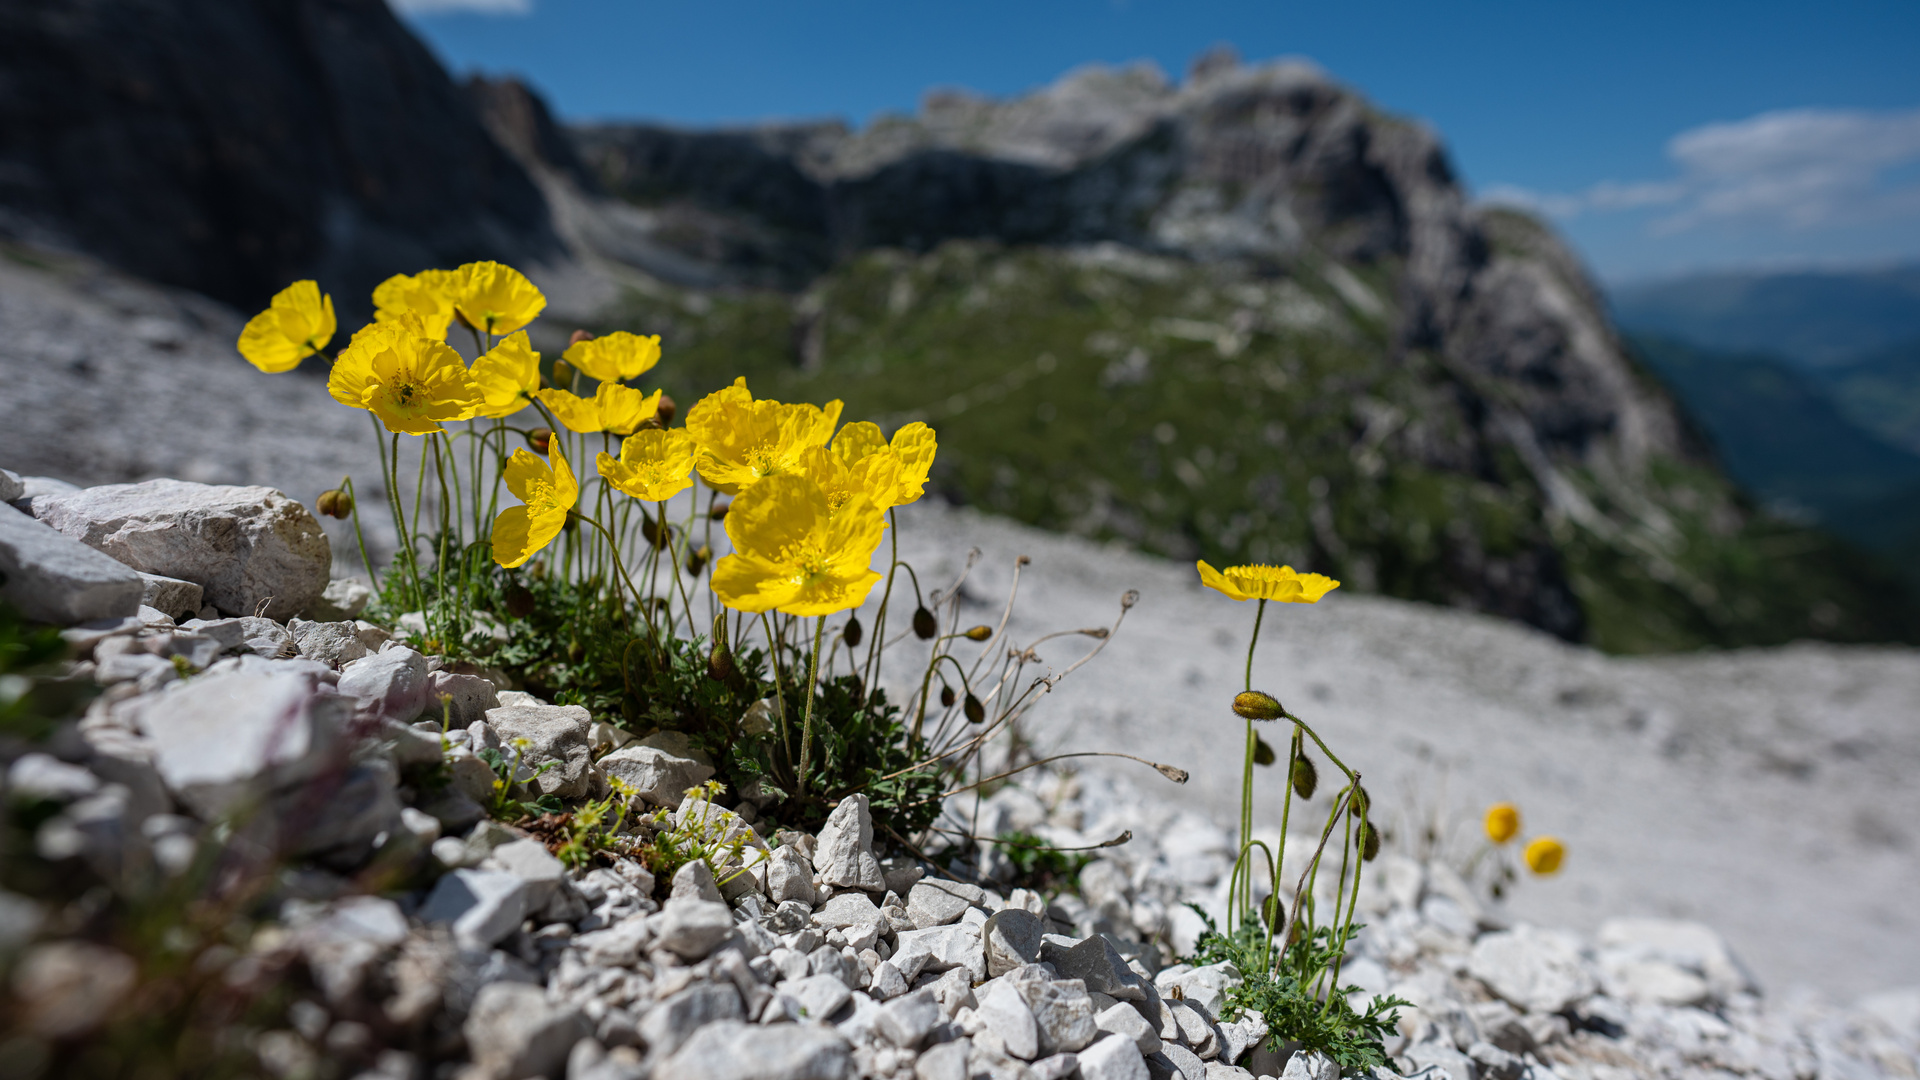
[[595, 827], [1040, 866], [508, 779], [704, 834]]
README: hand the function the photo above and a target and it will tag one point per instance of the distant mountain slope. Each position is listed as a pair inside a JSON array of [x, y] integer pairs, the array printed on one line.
[[1879, 390], [1815, 318]]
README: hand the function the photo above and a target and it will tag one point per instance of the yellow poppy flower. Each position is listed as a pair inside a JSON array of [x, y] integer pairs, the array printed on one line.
[[410, 380], [427, 294], [653, 466], [615, 408], [1544, 854], [298, 322], [743, 441], [1503, 822], [793, 554], [508, 375], [617, 357], [494, 298], [548, 491], [876, 476], [1266, 583], [895, 474], [915, 445]]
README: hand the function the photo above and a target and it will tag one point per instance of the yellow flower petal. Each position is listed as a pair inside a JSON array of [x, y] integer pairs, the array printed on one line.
[[1267, 583], [495, 299], [916, 446], [427, 295], [623, 409], [412, 382], [793, 553], [298, 322], [1214, 580], [513, 537], [549, 491], [507, 376], [577, 413], [743, 441], [614, 357], [653, 466]]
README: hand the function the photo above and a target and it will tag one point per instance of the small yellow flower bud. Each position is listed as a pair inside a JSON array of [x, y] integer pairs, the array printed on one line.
[[976, 712], [853, 632], [1255, 705], [1544, 854], [540, 439], [1503, 822], [925, 626], [1305, 777], [1262, 753], [980, 633]]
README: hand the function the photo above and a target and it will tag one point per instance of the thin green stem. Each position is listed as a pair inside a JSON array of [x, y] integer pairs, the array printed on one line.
[[806, 724]]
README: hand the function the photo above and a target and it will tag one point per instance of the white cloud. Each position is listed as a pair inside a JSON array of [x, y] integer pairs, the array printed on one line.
[[443, 7], [1794, 169]]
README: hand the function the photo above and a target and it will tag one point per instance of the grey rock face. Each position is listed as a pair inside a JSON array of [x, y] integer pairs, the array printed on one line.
[[731, 1050], [1007, 1016], [335, 643], [1096, 963], [1534, 970], [844, 855], [465, 698], [669, 1024], [1062, 1011], [691, 928], [694, 881], [391, 684], [181, 600], [907, 1019], [554, 733], [1124, 1020], [53, 578], [1012, 938], [1111, 1057], [483, 906], [937, 903], [242, 545], [11, 487], [514, 1031], [226, 740], [530, 861], [789, 875], [661, 777]]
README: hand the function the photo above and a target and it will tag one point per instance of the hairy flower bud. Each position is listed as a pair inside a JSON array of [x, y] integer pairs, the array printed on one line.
[[720, 666], [520, 602], [1262, 753], [665, 409], [980, 633], [947, 696], [925, 626], [579, 336], [719, 510], [1255, 705], [1305, 777], [1272, 912], [540, 439], [698, 559], [562, 374], [976, 712], [853, 632], [1369, 842], [656, 533], [1359, 804], [334, 503]]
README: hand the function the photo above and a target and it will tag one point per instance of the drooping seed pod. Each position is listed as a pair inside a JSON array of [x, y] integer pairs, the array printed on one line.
[[979, 633], [1305, 777], [925, 626], [1262, 753], [562, 374], [520, 601], [853, 632], [719, 510], [579, 336], [698, 559], [540, 439], [976, 712], [665, 410], [1369, 842], [1255, 705], [947, 696]]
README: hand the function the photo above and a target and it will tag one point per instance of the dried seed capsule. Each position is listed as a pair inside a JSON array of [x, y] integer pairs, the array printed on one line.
[[1262, 753], [520, 601], [853, 633], [665, 410], [1305, 777], [947, 696], [976, 712], [540, 439], [1369, 842], [980, 633], [925, 626], [697, 561], [1255, 705]]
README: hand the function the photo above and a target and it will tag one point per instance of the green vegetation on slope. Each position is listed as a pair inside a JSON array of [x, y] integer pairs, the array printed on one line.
[[1199, 411]]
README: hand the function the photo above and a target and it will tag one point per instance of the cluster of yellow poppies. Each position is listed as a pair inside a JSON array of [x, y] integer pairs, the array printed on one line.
[[810, 501]]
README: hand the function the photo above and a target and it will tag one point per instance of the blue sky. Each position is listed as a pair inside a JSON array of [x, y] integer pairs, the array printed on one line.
[[1662, 137]]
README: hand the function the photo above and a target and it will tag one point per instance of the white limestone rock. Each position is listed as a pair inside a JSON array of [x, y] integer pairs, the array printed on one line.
[[56, 579]]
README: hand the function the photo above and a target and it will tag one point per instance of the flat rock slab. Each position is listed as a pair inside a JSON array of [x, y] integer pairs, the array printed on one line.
[[54, 578], [225, 740], [244, 546], [554, 733]]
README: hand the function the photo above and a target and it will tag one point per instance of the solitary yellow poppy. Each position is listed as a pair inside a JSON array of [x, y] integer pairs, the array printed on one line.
[[743, 441], [508, 375], [614, 357], [411, 381], [1503, 822], [494, 298], [548, 492], [297, 323], [427, 294], [653, 465], [1544, 854], [1266, 583], [792, 553], [615, 408]]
